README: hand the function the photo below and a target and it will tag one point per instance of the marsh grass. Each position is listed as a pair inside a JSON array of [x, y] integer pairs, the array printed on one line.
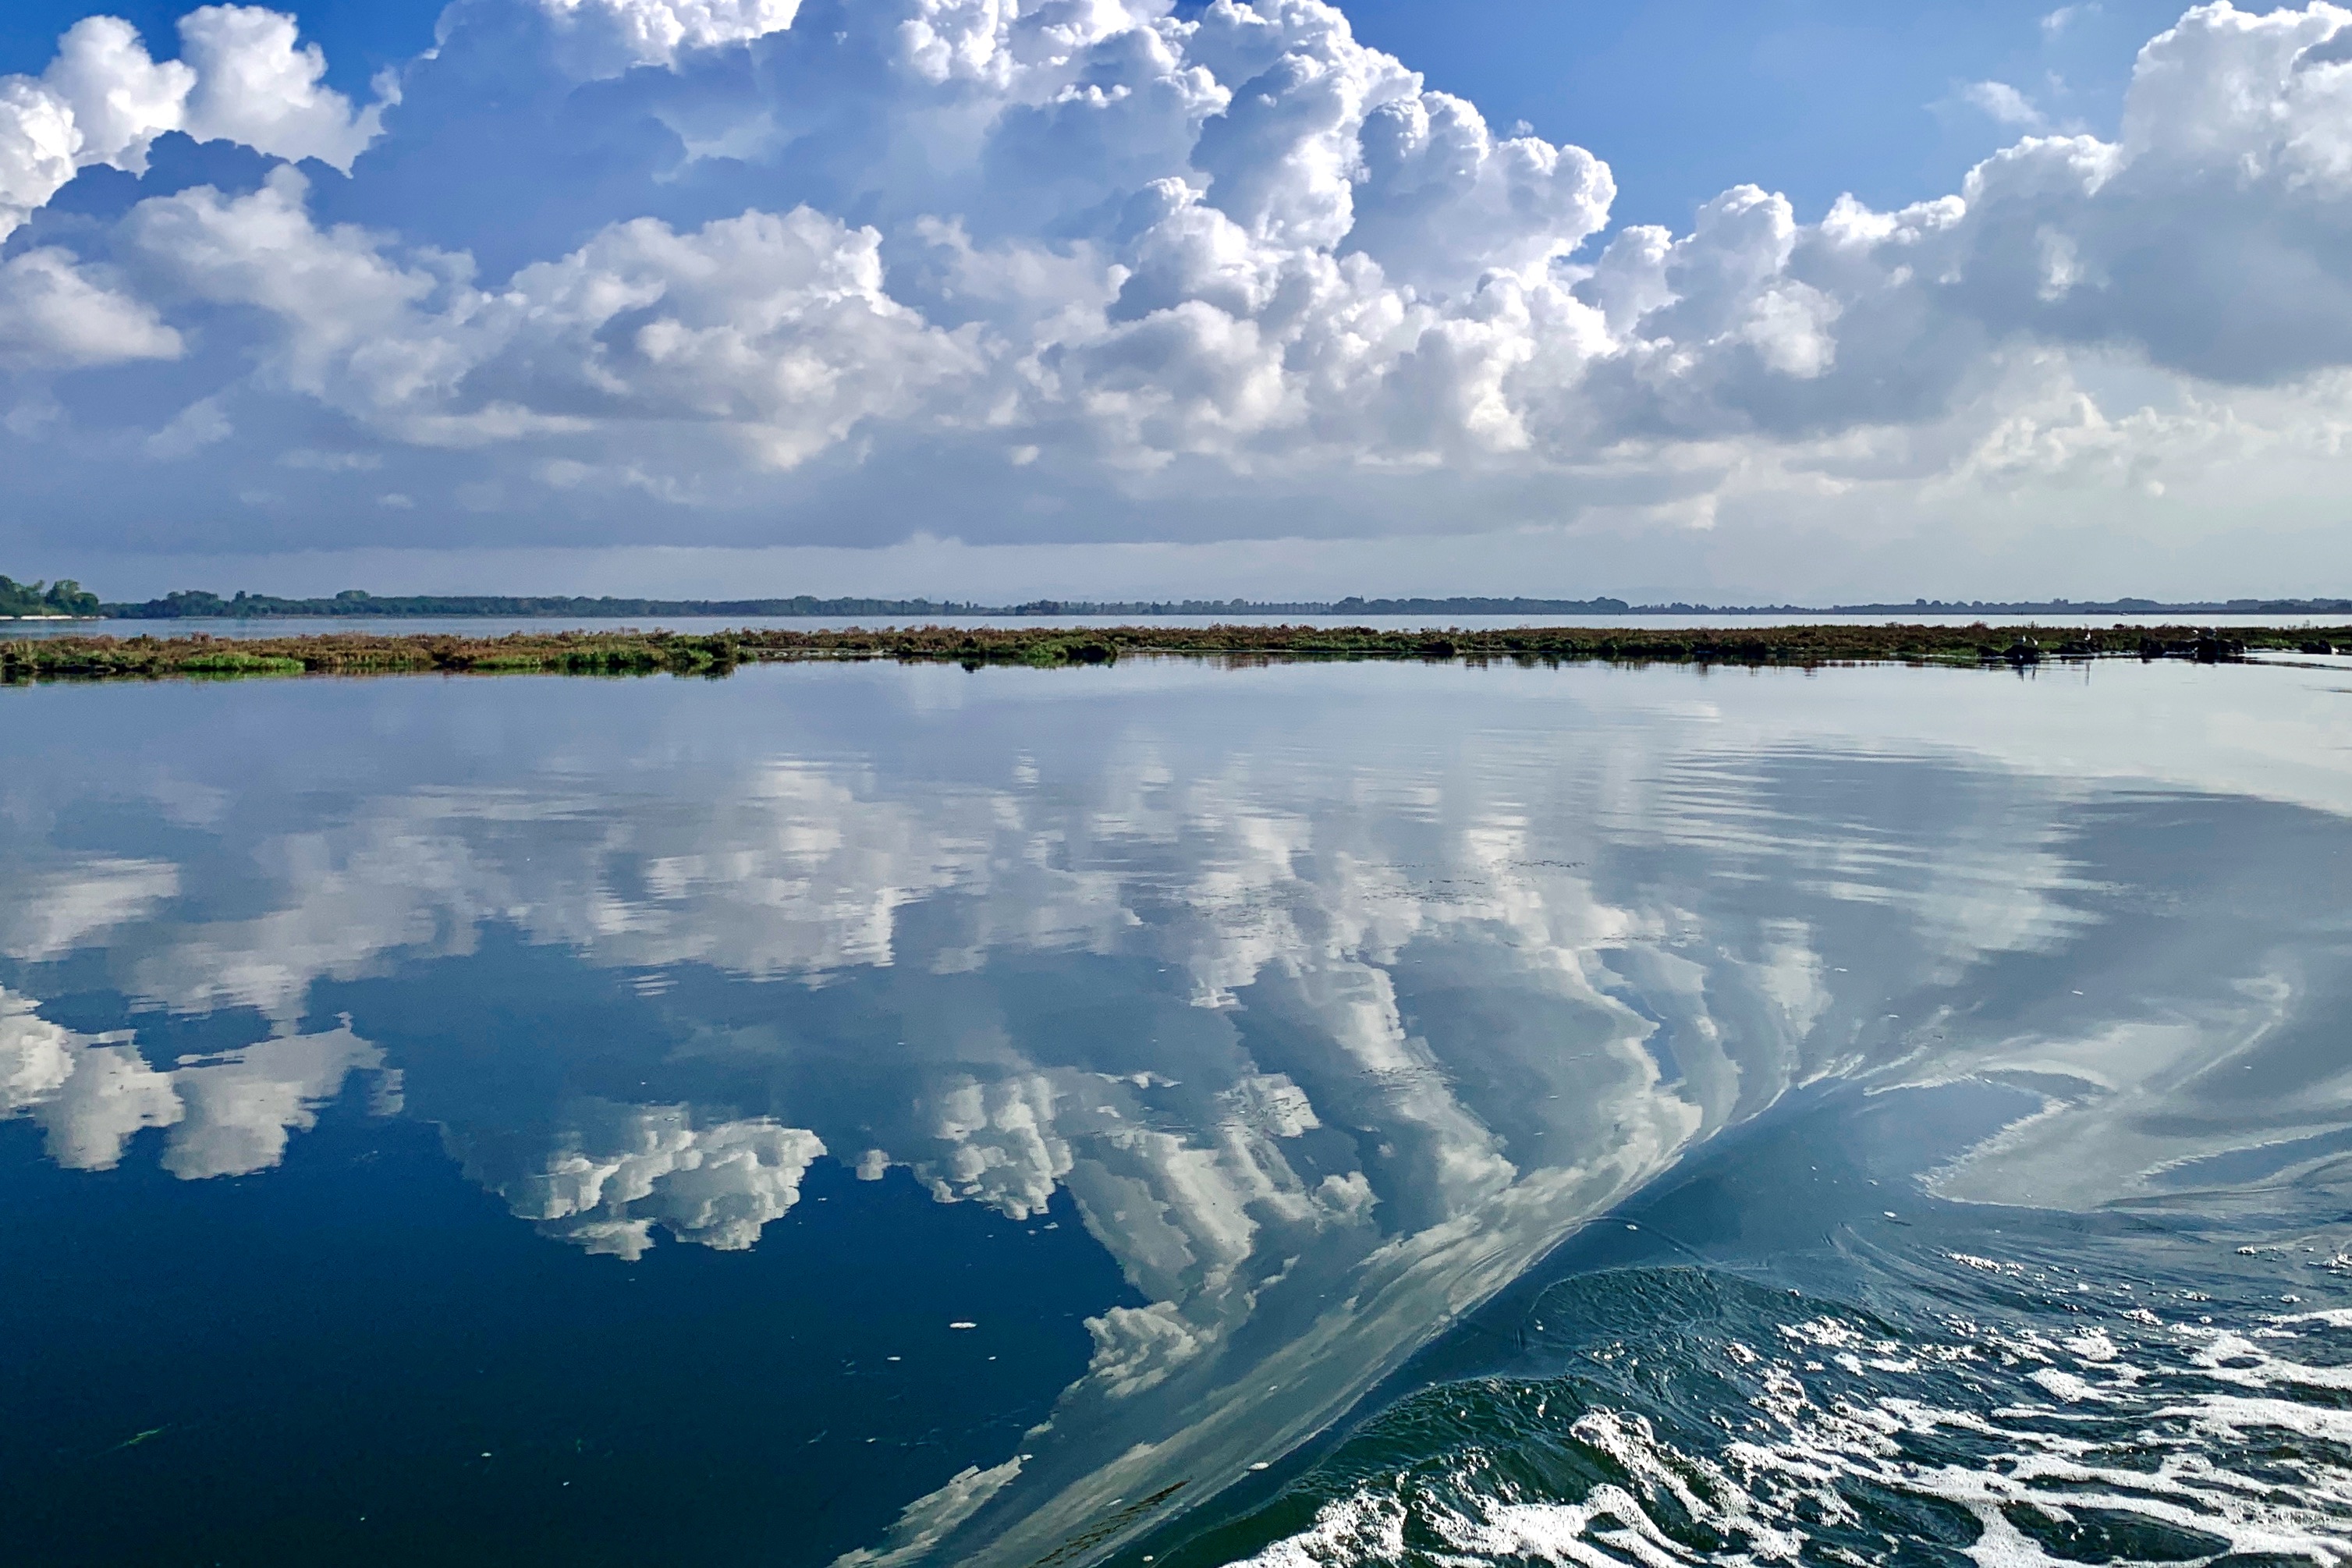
[[657, 652]]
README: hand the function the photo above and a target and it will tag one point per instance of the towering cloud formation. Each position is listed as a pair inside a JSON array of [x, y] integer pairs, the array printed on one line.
[[1087, 269], [103, 100], [623, 33]]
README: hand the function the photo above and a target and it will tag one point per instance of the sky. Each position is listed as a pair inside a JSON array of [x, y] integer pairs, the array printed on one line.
[[1781, 300]]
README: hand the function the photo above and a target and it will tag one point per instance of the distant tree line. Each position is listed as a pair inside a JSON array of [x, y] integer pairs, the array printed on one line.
[[67, 597], [2106, 607], [197, 604], [63, 597]]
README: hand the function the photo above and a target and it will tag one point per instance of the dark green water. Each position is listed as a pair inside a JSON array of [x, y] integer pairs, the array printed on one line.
[[1342, 1115]]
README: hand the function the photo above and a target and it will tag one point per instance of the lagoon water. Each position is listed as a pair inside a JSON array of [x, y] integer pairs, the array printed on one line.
[[1307, 1114]]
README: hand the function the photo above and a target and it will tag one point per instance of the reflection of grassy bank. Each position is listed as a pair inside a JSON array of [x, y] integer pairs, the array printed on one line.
[[639, 653]]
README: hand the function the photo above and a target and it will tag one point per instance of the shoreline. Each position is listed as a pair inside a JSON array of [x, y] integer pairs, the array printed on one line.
[[200, 655]]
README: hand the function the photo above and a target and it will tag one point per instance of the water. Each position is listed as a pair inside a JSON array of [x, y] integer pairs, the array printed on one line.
[[2146, 1383], [500, 626], [1302, 1114]]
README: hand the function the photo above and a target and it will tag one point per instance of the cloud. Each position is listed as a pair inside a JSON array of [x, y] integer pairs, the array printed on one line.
[[254, 84], [933, 1517], [109, 1095], [1136, 1348], [228, 1115], [1323, 1035], [53, 311], [753, 272], [238, 1107], [2056, 21], [2005, 105], [773, 332], [36, 1056], [59, 910], [617, 1171], [998, 1146], [89, 1094], [652, 32], [197, 426], [243, 78]]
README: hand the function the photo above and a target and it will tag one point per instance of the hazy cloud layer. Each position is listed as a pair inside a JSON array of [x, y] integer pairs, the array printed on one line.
[[754, 272]]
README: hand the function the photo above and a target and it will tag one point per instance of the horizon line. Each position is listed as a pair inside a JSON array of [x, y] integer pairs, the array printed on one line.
[[203, 605]]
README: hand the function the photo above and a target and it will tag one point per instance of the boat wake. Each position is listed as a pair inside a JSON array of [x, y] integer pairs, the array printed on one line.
[[2023, 1413]]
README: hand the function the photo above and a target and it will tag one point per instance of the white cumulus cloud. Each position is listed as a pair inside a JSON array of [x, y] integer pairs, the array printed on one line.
[[649, 32], [244, 76], [53, 311], [623, 1169], [772, 329], [228, 1115], [1098, 270], [254, 83]]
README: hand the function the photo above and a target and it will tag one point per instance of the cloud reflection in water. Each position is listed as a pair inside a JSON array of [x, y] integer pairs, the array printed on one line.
[[1332, 997]]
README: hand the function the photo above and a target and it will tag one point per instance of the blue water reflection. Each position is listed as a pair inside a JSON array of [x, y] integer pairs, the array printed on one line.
[[891, 1116]]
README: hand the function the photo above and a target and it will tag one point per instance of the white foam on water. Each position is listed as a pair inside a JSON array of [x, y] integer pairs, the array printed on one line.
[[1364, 1529], [2333, 1318], [2159, 1445]]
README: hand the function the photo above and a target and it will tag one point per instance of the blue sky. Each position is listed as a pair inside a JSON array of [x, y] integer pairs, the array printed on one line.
[[1812, 98], [1100, 296]]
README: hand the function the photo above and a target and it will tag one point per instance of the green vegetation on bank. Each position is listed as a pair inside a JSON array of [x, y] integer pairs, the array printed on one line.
[[637, 653], [63, 597]]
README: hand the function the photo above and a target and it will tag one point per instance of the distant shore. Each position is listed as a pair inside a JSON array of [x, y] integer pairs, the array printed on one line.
[[651, 652], [354, 603]]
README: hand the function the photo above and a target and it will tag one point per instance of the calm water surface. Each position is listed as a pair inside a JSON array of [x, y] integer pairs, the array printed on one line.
[[1356, 1114]]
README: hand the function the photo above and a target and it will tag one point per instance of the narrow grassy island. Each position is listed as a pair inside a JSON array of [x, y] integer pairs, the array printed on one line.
[[651, 652]]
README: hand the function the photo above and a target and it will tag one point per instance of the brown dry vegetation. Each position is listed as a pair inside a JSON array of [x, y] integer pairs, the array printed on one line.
[[633, 653]]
